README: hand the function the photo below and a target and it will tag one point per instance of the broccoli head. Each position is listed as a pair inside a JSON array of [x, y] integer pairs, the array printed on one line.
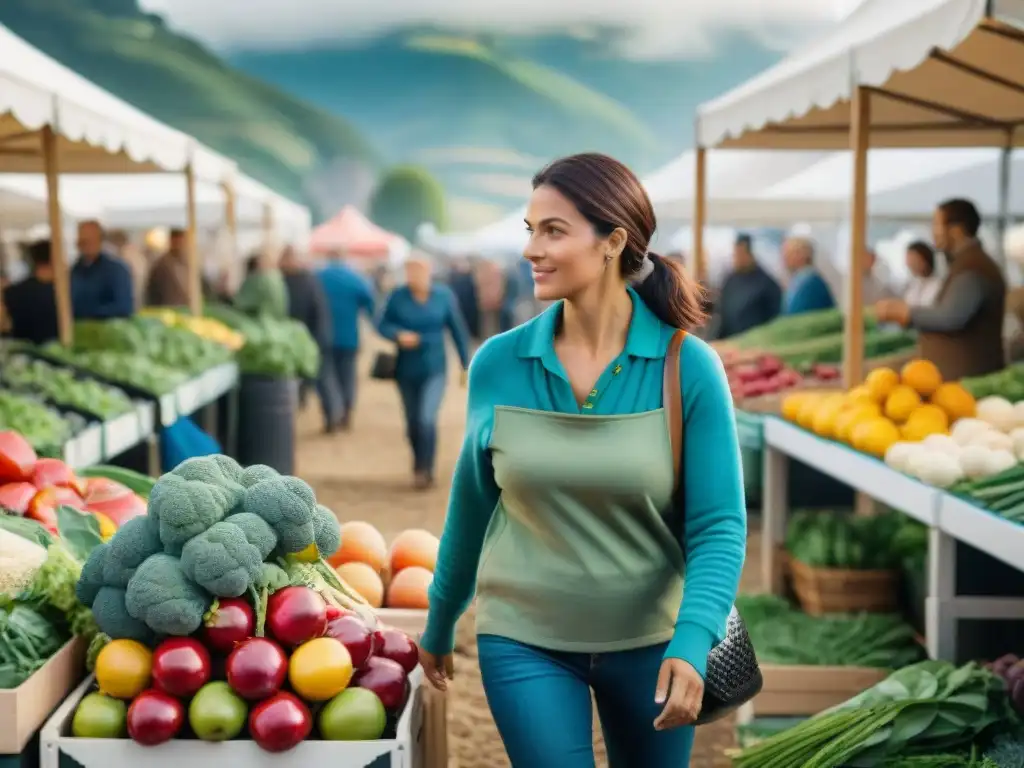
[[161, 596], [222, 561], [326, 531], [134, 541], [185, 508], [217, 470], [112, 617], [90, 582], [258, 473], [288, 505], [257, 531]]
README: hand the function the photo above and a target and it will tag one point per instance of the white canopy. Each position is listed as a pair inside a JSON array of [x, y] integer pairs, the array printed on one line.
[[97, 132], [942, 73]]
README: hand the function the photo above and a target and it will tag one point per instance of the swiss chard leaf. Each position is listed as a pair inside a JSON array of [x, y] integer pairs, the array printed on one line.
[[79, 531]]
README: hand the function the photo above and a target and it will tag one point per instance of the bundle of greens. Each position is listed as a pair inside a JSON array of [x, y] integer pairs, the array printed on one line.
[[125, 368], [929, 708], [830, 539], [63, 388], [783, 635], [274, 347], [174, 347]]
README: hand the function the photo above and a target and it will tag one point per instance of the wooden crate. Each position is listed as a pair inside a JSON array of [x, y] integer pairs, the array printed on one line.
[[808, 690]]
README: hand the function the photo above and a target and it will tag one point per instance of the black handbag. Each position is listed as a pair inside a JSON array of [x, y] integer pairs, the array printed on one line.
[[384, 366], [733, 676]]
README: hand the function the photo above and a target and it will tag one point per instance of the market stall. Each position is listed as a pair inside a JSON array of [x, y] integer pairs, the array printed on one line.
[[350, 233]]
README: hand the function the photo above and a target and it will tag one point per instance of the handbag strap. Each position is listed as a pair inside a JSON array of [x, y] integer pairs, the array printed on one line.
[[672, 401]]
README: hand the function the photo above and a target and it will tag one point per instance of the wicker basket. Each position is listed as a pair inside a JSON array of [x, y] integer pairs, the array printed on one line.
[[835, 590]]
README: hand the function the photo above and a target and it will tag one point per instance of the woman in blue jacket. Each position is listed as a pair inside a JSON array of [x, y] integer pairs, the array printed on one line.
[[557, 514], [418, 316]]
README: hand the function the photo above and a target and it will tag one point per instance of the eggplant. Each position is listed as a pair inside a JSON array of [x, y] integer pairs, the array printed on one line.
[[1003, 663]]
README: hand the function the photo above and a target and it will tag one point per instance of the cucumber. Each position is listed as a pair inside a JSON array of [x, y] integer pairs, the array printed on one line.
[[136, 481]]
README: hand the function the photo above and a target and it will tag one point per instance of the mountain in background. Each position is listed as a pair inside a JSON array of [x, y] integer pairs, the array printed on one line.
[[479, 112]]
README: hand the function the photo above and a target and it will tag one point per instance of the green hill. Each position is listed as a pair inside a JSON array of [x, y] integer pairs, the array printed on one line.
[[276, 138]]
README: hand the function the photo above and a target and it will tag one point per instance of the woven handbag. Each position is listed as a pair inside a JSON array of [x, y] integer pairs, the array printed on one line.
[[733, 676]]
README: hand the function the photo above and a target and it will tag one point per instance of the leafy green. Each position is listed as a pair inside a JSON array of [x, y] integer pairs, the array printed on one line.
[[831, 539], [63, 388]]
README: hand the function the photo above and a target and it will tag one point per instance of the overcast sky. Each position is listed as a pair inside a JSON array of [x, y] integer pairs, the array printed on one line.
[[652, 28]]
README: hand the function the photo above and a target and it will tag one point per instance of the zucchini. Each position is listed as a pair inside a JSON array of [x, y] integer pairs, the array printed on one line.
[[135, 481]]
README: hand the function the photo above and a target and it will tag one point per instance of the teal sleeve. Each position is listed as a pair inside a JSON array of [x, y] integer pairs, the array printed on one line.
[[716, 519], [474, 495], [386, 326]]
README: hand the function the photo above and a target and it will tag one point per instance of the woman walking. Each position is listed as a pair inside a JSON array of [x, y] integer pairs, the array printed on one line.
[[579, 567], [418, 316]]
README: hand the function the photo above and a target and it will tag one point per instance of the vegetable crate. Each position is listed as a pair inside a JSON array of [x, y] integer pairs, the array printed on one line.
[[58, 749], [837, 590], [808, 690], [25, 708]]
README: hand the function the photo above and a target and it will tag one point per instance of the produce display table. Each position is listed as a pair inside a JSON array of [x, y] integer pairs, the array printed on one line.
[[949, 519]]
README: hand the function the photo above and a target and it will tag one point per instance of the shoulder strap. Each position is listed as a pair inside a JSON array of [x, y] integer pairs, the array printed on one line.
[[672, 401]]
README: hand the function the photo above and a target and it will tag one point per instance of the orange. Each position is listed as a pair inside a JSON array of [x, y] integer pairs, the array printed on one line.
[[956, 401], [902, 401], [922, 376], [364, 580], [408, 589], [361, 542], [414, 547]]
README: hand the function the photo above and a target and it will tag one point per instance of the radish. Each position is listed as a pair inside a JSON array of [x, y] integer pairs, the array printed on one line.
[[230, 621], [296, 614]]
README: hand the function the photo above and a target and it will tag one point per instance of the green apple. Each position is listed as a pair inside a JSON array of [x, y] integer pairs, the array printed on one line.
[[355, 714], [217, 713], [99, 716]]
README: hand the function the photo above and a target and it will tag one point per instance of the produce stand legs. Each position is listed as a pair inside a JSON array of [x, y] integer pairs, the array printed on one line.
[[774, 511], [231, 430], [155, 468]]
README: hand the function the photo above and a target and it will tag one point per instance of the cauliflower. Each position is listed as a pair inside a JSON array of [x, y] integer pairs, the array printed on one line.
[[134, 541], [288, 505], [19, 561], [326, 531], [257, 532], [112, 617], [222, 561], [185, 508], [160, 595]]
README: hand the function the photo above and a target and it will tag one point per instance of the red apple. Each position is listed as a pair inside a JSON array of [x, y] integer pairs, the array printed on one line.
[[386, 678], [181, 666], [230, 622], [352, 632], [295, 615], [155, 717], [257, 668], [280, 723], [394, 644]]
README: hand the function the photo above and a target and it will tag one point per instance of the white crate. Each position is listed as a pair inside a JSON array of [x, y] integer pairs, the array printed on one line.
[[120, 434], [85, 448], [146, 412], [404, 751], [168, 409], [188, 397]]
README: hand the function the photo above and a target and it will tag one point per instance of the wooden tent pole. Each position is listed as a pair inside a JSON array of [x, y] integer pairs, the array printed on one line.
[[853, 328], [231, 225], [699, 214], [58, 258], [268, 229], [195, 283]]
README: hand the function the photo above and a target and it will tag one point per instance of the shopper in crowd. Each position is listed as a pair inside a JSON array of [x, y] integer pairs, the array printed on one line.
[[101, 284], [925, 281], [873, 287], [308, 304], [806, 290], [463, 285], [30, 305], [349, 294], [490, 293], [263, 291], [122, 247], [962, 332], [561, 508], [749, 297], [168, 283], [418, 316]]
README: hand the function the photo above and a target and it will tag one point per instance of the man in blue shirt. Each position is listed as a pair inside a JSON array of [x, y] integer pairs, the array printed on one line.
[[807, 290], [348, 293], [101, 285]]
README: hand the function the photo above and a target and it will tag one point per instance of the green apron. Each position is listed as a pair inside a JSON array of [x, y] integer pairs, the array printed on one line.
[[578, 556]]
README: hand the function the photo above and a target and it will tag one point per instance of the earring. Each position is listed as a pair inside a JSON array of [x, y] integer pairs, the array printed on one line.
[[608, 257]]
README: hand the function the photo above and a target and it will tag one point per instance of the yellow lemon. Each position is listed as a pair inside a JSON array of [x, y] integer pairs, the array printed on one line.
[[901, 402], [791, 405], [851, 417], [875, 436], [880, 382], [809, 407], [825, 417]]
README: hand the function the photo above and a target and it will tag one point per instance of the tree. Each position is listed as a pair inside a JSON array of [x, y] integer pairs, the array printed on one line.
[[407, 197]]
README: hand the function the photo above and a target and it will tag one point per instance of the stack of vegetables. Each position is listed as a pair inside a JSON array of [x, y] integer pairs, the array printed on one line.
[[45, 428], [277, 348], [37, 488], [125, 368], [783, 635], [765, 374], [888, 408], [395, 577], [1007, 383], [227, 572], [203, 327], [829, 539], [173, 346], [63, 388], [929, 714]]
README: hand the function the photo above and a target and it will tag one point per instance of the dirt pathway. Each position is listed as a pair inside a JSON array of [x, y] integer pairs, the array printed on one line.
[[365, 474]]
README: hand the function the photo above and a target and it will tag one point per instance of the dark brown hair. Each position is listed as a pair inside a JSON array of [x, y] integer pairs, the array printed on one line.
[[610, 196], [925, 251], [963, 213]]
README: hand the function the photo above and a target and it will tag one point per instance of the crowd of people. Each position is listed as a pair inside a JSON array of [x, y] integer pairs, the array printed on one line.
[[957, 307]]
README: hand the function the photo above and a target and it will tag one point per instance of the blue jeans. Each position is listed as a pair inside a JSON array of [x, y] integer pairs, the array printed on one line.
[[421, 400], [541, 704], [337, 383]]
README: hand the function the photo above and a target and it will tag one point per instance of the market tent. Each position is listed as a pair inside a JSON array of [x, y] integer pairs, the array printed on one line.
[[734, 183], [20, 211], [940, 73], [353, 234]]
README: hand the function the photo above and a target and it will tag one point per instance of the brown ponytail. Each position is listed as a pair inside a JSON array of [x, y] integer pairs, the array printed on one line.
[[610, 196]]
